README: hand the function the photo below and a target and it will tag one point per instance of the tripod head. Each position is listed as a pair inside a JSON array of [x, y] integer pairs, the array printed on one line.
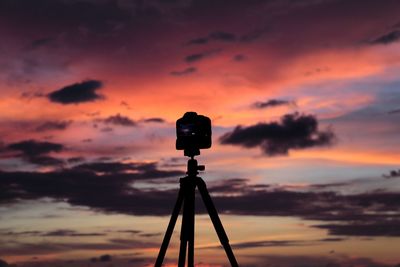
[[193, 168]]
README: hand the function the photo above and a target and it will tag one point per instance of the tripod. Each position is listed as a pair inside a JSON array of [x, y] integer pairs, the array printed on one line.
[[186, 196]]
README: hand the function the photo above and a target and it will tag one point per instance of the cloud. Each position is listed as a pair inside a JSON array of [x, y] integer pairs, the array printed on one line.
[[38, 43], [46, 161], [239, 58], [392, 174], [253, 35], [186, 71], [370, 228], [105, 258], [395, 111], [280, 243], [133, 232], [341, 260], [329, 185], [55, 233], [214, 36], [36, 151], [4, 264], [198, 41], [71, 185], [222, 36], [273, 103], [294, 131], [46, 247], [77, 93], [27, 233], [154, 120], [194, 57], [119, 120], [106, 129], [34, 148], [200, 56], [53, 125], [388, 38], [359, 212], [70, 233], [31, 95], [227, 186], [119, 167], [150, 234]]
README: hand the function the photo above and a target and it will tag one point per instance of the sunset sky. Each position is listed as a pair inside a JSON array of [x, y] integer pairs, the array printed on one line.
[[304, 99]]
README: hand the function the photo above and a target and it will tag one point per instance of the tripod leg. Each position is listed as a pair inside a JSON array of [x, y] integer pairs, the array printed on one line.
[[191, 214], [170, 229], [184, 229], [182, 254], [223, 238], [187, 229]]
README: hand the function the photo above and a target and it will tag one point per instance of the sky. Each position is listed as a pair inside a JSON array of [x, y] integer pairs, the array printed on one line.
[[304, 99]]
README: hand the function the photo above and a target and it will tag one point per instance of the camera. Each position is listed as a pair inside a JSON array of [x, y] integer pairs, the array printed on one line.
[[193, 132]]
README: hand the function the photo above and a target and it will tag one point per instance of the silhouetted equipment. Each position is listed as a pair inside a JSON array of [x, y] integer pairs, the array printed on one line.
[[193, 133]]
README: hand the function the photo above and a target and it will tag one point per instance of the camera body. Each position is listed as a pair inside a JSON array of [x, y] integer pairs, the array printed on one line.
[[193, 132]]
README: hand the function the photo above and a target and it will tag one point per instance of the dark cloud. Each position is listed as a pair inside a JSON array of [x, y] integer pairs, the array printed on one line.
[[46, 247], [40, 43], [281, 243], [194, 57], [388, 38], [55, 233], [67, 16], [395, 111], [75, 159], [213, 36], [32, 148], [273, 103], [374, 228], [154, 120], [85, 186], [106, 129], [105, 258], [198, 41], [253, 35], [228, 37], [238, 185], [186, 71], [77, 93], [343, 260], [31, 95], [149, 169], [4, 263], [133, 232], [119, 120], [392, 174], [53, 125], [23, 233], [267, 243], [294, 131], [222, 36], [70, 233], [239, 58], [330, 185], [200, 56], [150, 234], [46, 161]]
